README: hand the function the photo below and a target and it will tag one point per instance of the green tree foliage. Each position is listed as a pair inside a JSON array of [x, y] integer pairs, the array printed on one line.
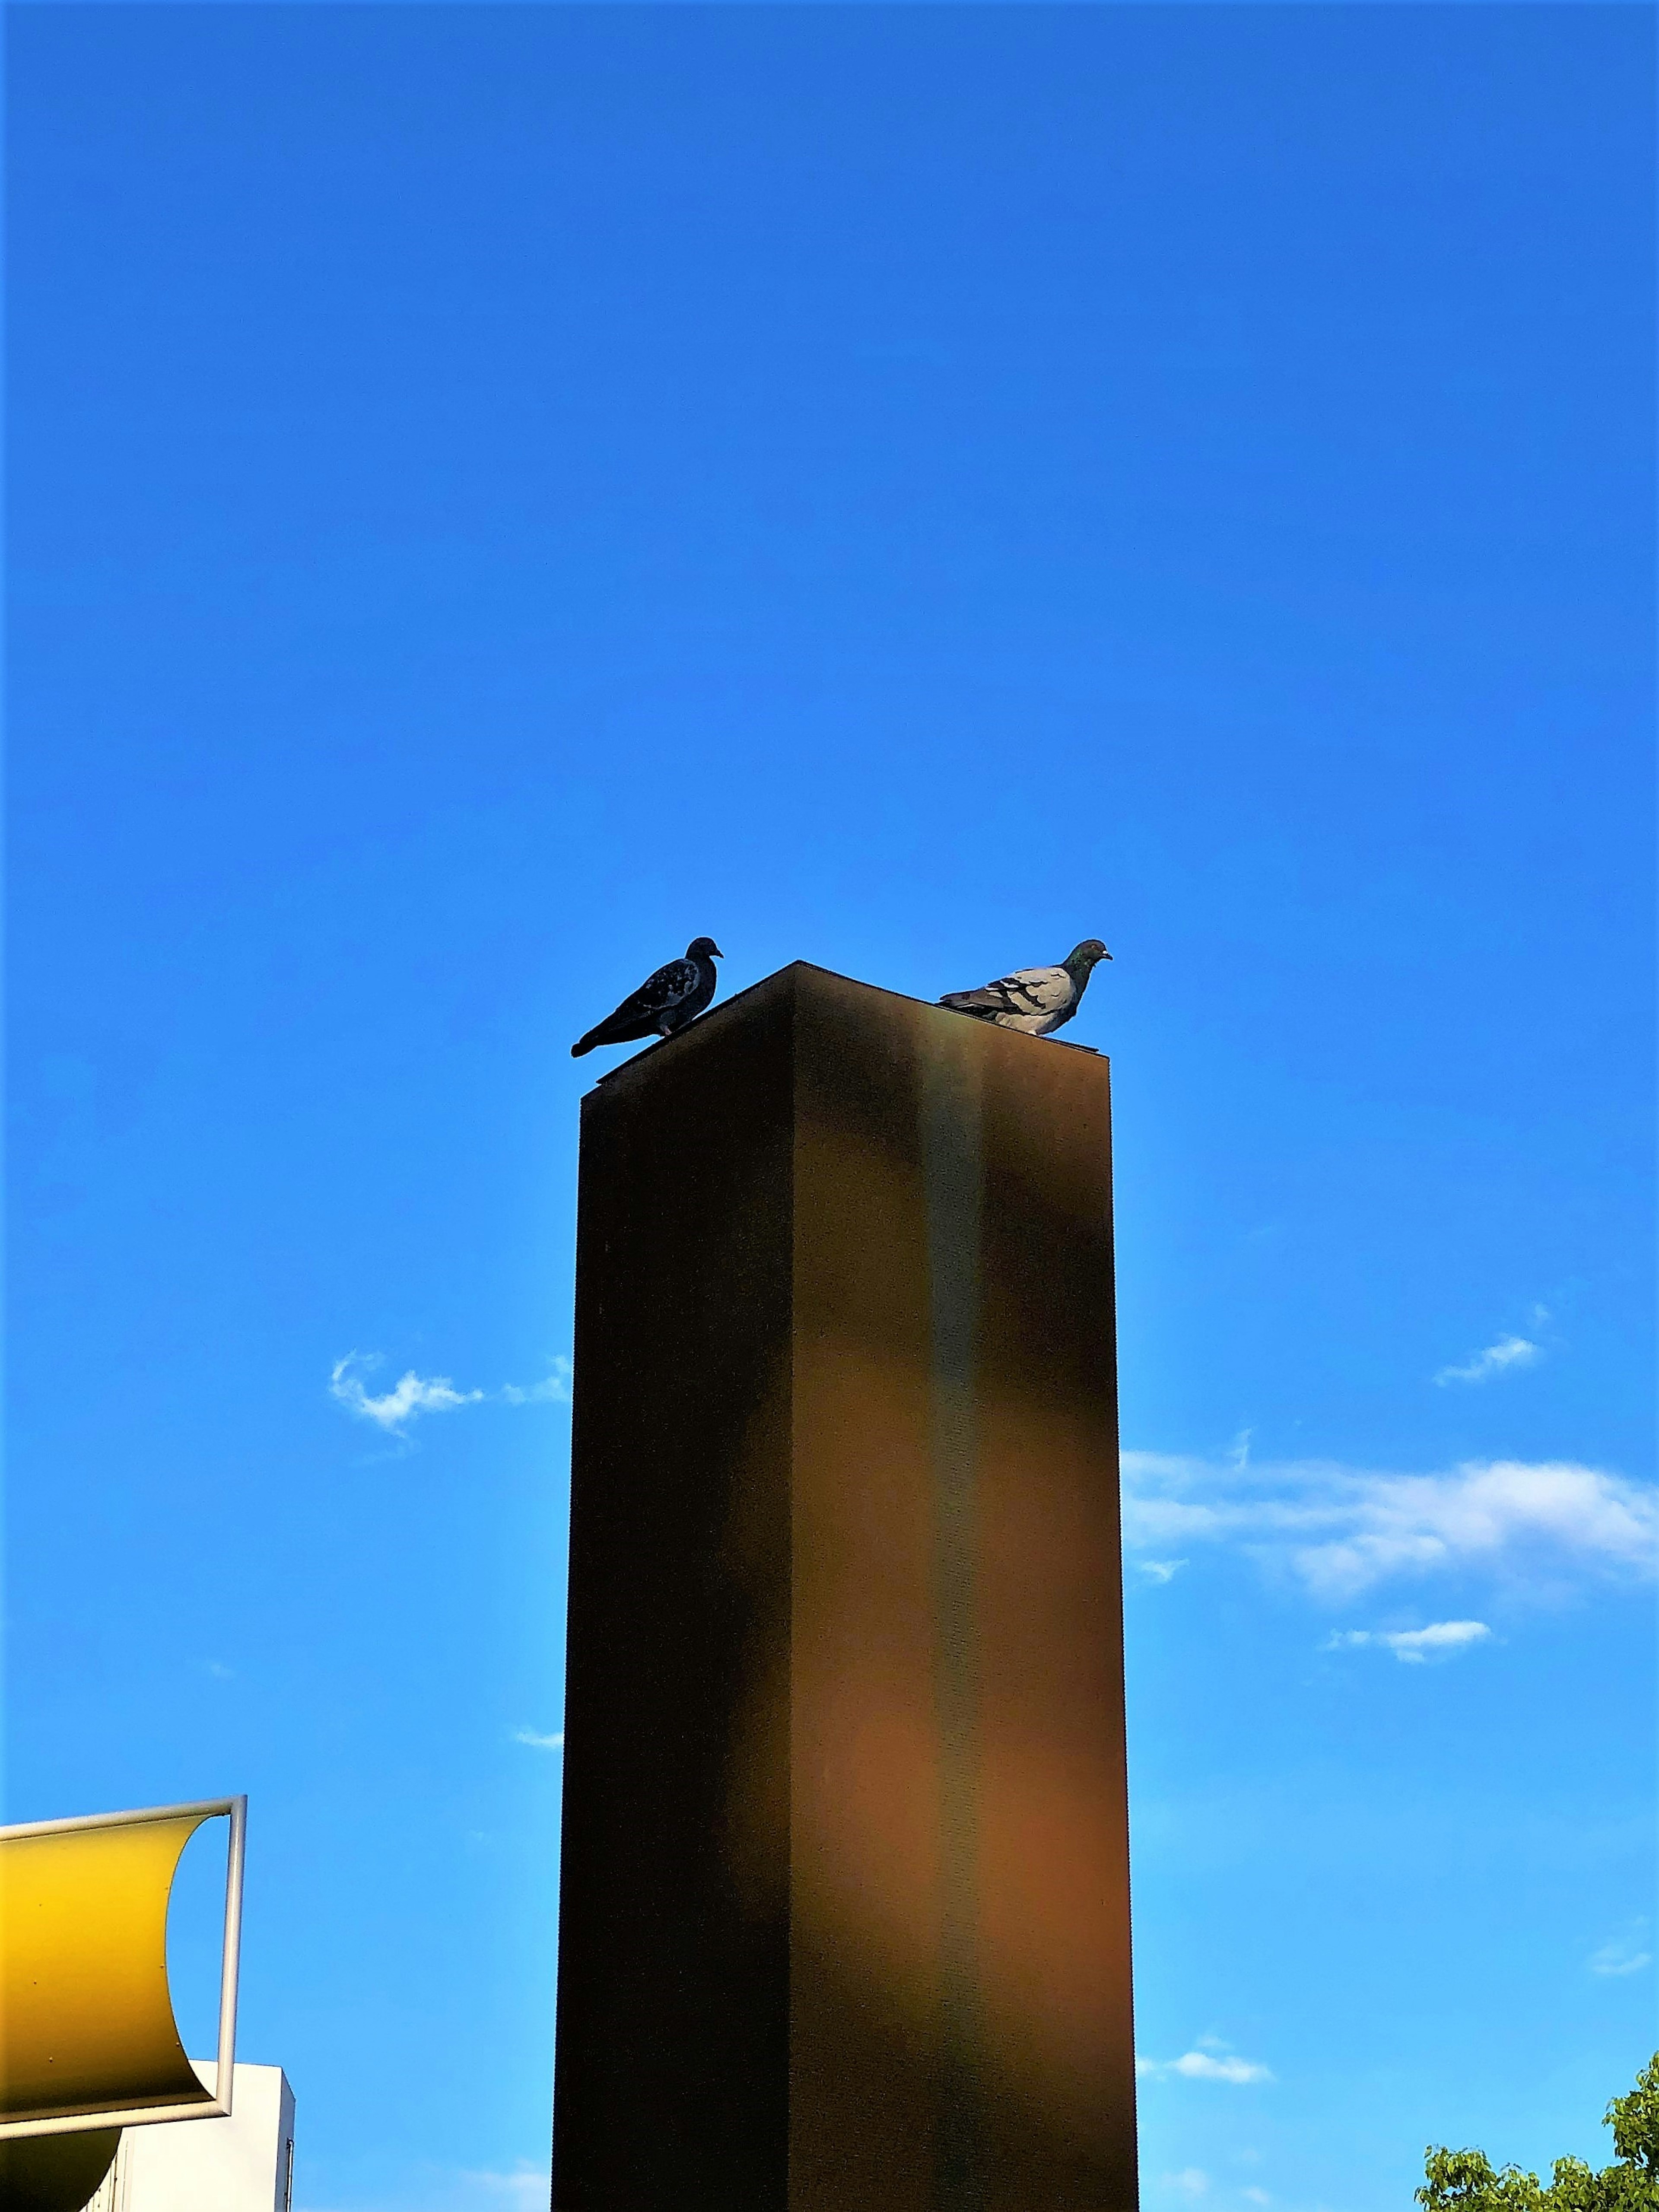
[[1464, 2181]]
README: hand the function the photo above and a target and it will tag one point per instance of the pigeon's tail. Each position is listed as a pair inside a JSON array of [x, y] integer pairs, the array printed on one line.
[[976, 1003], [623, 1027]]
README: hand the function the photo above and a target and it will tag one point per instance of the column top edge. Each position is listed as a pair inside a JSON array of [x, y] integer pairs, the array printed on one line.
[[718, 1017]]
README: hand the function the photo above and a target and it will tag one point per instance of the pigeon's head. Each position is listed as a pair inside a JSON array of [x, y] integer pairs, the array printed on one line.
[[1086, 955], [703, 948]]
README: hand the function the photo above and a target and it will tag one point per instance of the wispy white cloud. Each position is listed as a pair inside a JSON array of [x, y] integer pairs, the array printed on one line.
[[1508, 1354], [1256, 2196], [1341, 1530], [395, 1408], [1160, 1570], [553, 1389], [1415, 1645], [525, 2186], [1191, 2181], [1215, 2064], [417, 1394], [1626, 1954], [539, 1742]]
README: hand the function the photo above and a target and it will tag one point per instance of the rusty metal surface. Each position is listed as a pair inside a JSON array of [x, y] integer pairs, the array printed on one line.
[[845, 1906]]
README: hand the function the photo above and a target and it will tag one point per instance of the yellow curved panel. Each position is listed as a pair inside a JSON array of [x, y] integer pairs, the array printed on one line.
[[55, 2174], [86, 2020]]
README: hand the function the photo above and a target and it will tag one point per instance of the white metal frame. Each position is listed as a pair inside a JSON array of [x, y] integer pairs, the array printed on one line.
[[218, 2107]]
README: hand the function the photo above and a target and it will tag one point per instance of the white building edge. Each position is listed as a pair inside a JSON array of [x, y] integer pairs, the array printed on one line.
[[242, 2164]]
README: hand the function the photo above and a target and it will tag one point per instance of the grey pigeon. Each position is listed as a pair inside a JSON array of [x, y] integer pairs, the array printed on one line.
[[665, 1002], [1037, 1001]]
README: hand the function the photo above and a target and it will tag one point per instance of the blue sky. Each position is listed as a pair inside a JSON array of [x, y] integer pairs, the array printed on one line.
[[495, 492]]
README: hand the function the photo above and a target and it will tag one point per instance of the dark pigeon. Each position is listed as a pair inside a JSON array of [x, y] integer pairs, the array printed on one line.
[[665, 1002], [1037, 1001]]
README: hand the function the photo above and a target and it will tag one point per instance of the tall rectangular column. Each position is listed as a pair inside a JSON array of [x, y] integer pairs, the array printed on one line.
[[844, 1917]]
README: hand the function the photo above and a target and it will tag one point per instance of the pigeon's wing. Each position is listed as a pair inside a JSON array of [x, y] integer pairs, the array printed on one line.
[[671, 985], [1039, 993], [641, 1012]]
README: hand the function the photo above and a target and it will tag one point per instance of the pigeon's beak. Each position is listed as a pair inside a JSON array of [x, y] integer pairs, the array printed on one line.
[[715, 953], [1105, 956]]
